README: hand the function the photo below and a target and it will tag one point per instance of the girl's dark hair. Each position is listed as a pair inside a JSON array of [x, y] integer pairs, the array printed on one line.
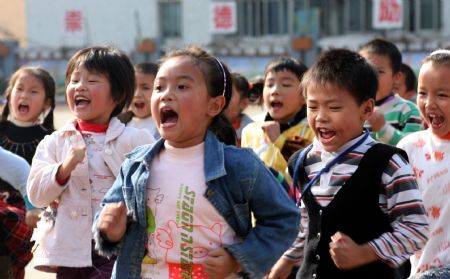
[[112, 63], [345, 69], [147, 68], [241, 84], [49, 87], [286, 63], [218, 81]]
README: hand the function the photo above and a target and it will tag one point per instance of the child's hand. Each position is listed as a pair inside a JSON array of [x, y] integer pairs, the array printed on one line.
[[219, 264], [76, 154], [376, 121], [346, 254], [281, 270], [272, 130], [32, 217], [112, 222]]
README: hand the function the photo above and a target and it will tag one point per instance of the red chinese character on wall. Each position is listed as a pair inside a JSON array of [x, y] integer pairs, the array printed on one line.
[[73, 21], [223, 17]]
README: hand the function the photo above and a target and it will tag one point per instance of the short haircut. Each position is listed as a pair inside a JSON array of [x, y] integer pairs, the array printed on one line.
[[438, 58], [345, 69], [241, 84], [146, 68], [410, 77], [286, 63], [112, 63], [385, 48]]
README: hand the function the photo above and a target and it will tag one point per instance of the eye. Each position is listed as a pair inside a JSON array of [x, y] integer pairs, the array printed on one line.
[[157, 88], [182, 87]]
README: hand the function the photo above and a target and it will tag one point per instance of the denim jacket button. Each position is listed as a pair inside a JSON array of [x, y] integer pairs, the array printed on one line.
[[209, 193]]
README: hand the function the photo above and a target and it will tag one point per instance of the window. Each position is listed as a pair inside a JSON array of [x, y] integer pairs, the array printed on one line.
[[429, 12], [263, 17], [170, 19]]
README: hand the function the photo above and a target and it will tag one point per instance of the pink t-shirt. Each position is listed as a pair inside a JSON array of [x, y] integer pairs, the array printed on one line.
[[183, 226]]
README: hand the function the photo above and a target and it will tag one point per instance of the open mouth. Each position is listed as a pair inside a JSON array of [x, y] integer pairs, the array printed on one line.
[[139, 105], [276, 104], [81, 101], [24, 108], [326, 135], [168, 117], [436, 120]]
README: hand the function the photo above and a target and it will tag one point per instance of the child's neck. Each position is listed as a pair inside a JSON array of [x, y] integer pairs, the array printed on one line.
[[444, 137], [21, 123]]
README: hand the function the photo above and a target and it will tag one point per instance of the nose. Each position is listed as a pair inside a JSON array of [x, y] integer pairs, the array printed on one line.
[[430, 101], [274, 90], [80, 86], [166, 94], [321, 115]]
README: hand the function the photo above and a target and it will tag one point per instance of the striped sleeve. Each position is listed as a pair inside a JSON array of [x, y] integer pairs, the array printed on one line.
[[401, 121], [401, 200], [295, 252]]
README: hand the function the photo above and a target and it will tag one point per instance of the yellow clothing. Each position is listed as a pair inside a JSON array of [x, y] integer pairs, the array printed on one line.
[[276, 154]]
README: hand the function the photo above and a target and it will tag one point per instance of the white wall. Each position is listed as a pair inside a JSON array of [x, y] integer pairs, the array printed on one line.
[[196, 25], [105, 22]]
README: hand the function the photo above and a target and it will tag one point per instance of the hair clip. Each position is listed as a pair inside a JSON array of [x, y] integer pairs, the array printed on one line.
[[440, 51], [224, 76]]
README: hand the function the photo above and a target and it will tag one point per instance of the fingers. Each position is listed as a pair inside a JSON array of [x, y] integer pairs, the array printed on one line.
[[112, 221]]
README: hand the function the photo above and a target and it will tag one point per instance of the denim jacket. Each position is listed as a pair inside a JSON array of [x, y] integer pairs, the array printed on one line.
[[238, 184]]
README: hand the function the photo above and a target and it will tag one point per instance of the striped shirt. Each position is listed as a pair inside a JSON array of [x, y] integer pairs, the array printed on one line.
[[402, 117], [399, 198]]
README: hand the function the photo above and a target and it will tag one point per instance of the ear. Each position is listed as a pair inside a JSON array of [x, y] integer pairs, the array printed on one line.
[[243, 104], [47, 105], [367, 109], [397, 77], [215, 105]]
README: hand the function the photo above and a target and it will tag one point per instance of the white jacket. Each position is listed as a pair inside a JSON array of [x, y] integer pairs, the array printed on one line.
[[68, 241]]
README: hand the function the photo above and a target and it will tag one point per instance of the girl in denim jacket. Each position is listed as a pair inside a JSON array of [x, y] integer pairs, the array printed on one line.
[[182, 207]]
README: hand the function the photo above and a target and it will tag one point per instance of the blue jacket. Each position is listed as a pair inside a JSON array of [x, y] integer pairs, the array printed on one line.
[[238, 184]]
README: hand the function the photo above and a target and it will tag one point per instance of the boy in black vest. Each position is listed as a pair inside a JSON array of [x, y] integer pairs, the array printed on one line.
[[362, 213]]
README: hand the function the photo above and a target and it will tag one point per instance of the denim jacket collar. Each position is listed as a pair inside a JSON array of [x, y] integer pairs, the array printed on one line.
[[214, 162]]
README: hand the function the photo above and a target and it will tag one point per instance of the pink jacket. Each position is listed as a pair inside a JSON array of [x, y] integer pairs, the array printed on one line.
[[67, 242]]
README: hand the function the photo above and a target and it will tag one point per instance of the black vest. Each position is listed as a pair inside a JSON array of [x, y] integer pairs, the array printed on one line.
[[354, 211]]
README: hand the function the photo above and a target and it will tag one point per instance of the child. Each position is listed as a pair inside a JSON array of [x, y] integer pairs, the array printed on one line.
[[405, 86], [15, 234], [75, 166], [285, 129], [139, 114], [238, 103], [28, 114], [393, 117], [27, 118], [362, 213], [188, 198], [428, 152]]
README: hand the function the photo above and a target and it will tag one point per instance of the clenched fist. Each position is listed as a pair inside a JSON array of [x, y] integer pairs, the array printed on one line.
[[112, 221]]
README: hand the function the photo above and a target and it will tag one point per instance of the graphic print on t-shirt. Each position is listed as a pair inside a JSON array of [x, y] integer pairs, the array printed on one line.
[[180, 245]]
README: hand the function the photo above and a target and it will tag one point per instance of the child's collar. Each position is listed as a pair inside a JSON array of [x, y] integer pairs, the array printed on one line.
[[90, 127], [21, 123], [384, 100]]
